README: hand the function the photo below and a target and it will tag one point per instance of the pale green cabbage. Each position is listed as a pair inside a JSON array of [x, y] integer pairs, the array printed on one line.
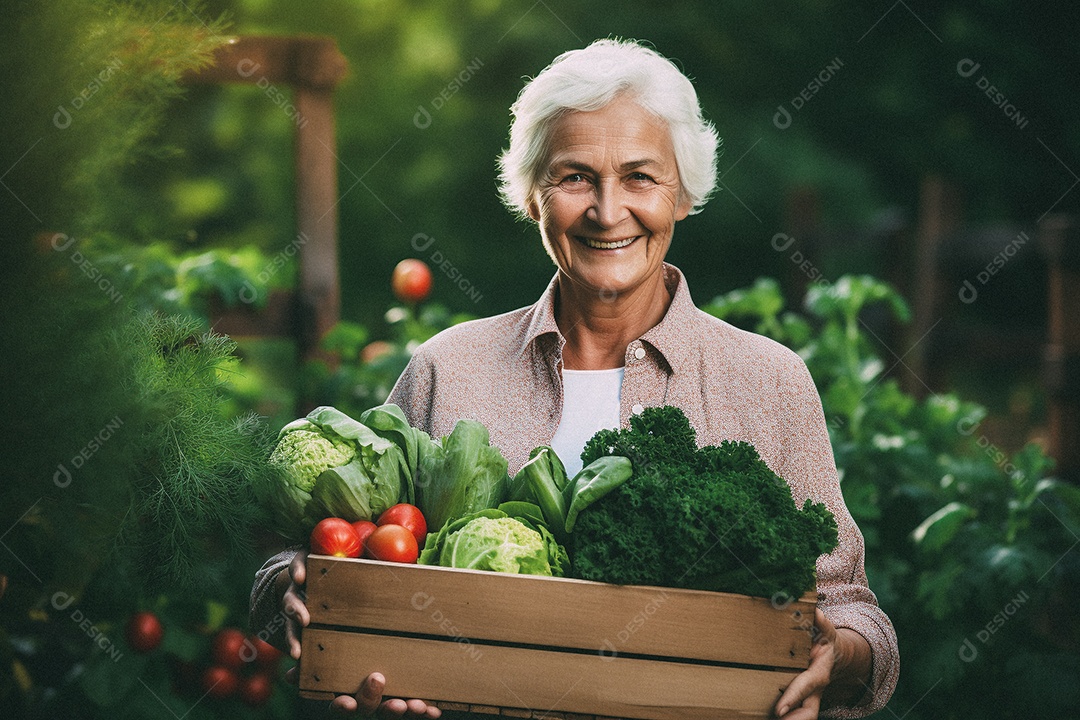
[[491, 540]]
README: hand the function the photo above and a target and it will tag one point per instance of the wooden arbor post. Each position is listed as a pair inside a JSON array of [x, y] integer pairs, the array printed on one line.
[[312, 67], [1059, 240]]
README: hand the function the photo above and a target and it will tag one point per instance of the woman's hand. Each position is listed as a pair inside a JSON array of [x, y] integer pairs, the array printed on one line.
[[368, 701], [840, 662], [292, 604]]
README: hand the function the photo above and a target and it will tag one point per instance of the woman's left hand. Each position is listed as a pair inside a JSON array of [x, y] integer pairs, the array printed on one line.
[[836, 656]]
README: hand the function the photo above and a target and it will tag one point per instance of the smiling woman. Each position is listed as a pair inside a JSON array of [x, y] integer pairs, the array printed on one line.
[[608, 152]]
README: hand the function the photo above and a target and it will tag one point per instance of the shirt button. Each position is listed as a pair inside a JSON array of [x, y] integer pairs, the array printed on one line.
[[637, 409], [639, 353]]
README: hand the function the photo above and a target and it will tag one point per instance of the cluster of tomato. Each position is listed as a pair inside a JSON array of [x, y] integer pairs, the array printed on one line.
[[242, 666], [396, 536]]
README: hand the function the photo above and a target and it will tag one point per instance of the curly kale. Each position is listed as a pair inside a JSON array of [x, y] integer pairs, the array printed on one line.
[[714, 518]]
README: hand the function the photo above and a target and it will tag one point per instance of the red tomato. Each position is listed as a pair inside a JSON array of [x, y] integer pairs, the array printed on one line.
[[411, 281], [231, 649], [219, 682], [408, 517], [256, 690], [337, 537], [364, 528], [392, 543], [266, 655], [144, 632]]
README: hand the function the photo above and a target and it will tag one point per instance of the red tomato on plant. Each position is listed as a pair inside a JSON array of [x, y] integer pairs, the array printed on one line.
[[266, 655], [230, 648], [219, 682], [408, 517], [364, 528], [337, 537], [144, 632], [256, 690], [411, 281], [392, 543]]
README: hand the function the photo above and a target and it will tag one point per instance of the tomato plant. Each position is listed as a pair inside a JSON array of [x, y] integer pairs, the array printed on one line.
[[337, 537], [408, 517], [144, 632], [230, 648], [411, 281], [266, 655], [219, 682], [392, 543], [256, 690]]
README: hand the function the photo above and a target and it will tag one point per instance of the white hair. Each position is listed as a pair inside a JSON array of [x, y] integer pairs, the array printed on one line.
[[590, 79]]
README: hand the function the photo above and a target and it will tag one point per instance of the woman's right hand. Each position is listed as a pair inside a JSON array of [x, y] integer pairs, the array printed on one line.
[[292, 604], [368, 700]]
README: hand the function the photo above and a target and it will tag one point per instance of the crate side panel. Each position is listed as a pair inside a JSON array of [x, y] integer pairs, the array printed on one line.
[[608, 619], [540, 680]]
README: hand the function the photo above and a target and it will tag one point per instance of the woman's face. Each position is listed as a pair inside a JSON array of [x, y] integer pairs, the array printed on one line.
[[610, 198]]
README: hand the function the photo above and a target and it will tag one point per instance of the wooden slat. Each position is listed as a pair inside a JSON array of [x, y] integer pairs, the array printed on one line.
[[473, 606], [539, 680]]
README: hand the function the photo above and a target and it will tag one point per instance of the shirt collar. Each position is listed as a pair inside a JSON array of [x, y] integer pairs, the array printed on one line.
[[667, 336]]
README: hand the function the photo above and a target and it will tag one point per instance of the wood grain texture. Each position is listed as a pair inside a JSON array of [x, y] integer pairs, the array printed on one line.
[[473, 607], [542, 681]]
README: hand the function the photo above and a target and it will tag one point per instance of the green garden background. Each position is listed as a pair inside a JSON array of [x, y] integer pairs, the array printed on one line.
[[137, 207]]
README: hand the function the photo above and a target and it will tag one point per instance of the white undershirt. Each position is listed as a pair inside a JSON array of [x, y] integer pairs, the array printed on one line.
[[590, 403]]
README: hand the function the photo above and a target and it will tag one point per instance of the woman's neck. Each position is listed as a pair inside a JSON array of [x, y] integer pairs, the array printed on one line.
[[598, 327]]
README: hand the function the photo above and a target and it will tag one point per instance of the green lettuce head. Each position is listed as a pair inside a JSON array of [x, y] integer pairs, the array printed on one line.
[[461, 475], [492, 540], [331, 465]]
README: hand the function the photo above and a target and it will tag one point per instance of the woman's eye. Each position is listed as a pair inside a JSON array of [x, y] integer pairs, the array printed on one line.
[[574, 178], [640, 177]]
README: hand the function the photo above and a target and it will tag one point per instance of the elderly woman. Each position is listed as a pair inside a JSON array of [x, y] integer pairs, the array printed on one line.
[[608, 150]]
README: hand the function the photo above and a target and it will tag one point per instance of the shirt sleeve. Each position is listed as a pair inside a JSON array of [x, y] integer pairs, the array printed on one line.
[[843, 593], [266, 618], [414, 391]]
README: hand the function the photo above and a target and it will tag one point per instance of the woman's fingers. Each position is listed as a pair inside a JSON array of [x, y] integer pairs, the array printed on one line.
[[298, 568], [295, 608], [370, 696], [298, 617], [809, 710], [343, 705]]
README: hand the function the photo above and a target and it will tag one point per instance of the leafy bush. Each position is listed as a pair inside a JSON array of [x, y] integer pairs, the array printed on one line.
[[969, 550]]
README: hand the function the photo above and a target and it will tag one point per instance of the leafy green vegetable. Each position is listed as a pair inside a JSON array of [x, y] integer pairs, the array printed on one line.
[[491, 539], [331, 465], [543, 481], [715, 518], [462, 475], [596, 480]]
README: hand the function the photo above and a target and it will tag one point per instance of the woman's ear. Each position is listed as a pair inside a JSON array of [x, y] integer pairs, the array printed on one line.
[[684, 206], [533, 208]]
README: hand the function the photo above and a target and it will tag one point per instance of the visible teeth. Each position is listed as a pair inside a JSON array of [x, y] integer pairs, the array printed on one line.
[[607, 245]]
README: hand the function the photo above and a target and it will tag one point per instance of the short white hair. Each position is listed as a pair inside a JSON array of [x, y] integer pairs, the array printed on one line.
[[590, 79]]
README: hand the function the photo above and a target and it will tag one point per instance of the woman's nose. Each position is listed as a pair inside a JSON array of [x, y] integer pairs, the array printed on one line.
[[608, 208]]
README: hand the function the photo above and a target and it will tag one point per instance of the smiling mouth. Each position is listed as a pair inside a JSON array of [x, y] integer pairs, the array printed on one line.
[[608, 245]]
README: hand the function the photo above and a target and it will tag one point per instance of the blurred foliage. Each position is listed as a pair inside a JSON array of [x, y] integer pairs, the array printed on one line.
[[423, 114], [967, 547], [956, 528], [359, 374]]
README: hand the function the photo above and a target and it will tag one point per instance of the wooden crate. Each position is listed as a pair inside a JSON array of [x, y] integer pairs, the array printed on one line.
[[526, 646]]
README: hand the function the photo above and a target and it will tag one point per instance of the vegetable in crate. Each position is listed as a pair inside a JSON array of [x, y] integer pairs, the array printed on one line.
[[463, 474], [543, 481], [506, 539], [331, 465], [714, 518]]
